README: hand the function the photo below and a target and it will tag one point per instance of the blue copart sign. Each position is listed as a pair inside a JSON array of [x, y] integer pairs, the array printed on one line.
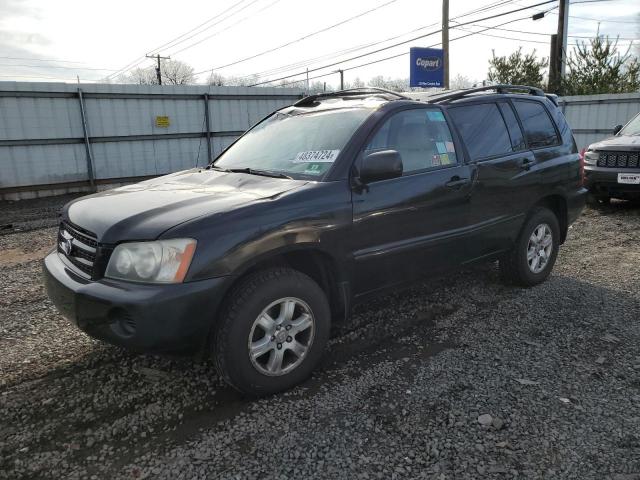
[[426, 67]]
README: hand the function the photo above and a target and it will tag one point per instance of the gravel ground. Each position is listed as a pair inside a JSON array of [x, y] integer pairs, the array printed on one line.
[[460, 377]]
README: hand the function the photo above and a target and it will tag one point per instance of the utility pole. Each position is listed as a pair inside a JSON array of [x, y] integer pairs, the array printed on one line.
[[158, 71], [307, 81], [554, 74], [445, 42], [341, 72], [563, 27]]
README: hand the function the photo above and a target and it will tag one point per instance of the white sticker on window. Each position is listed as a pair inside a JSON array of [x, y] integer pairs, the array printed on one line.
[[316, 156]]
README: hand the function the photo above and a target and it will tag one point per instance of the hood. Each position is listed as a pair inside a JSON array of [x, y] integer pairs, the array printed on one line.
[[619, 142], [143, 211]]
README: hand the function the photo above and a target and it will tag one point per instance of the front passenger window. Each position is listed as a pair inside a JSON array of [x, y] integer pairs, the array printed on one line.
[[421, 136]]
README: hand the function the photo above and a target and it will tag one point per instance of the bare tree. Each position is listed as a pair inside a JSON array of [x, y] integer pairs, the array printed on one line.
[[460, 81], [357, 83], [395, 84], [242, 81], [141, 76], [174, 72], [319, 87], [216, 79]]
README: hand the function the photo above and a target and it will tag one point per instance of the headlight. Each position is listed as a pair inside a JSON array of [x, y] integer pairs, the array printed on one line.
[[162, 261], [591, 157]]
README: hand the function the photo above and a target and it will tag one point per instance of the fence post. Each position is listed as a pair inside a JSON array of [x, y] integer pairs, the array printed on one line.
[[207, 120], [87, 143]]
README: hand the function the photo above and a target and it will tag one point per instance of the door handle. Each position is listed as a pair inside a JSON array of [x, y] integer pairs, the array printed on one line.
[[456, 182], [526, 163]]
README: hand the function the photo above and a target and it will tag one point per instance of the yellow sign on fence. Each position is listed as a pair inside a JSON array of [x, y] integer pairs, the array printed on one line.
[[162, 121]]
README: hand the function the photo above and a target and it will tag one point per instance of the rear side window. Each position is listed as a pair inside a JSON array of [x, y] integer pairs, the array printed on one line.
[[421, 136], [483, 130], [538, 127]]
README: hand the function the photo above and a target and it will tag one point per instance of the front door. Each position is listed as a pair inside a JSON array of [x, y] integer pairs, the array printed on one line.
[[413, 225]]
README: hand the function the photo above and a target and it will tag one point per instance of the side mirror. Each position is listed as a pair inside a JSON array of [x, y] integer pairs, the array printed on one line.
[[617, 129], [380, 165]]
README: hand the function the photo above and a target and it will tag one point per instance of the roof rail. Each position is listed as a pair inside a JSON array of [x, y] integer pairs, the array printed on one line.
[[457, 94], [350, 92]]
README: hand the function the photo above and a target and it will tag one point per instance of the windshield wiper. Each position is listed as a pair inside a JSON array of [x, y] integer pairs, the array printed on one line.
[[253, 171]]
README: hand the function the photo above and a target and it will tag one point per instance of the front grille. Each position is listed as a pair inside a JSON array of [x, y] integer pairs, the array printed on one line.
[[77, 245], [618, 160]]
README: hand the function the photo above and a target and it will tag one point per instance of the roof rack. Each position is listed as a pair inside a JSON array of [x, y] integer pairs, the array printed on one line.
[[350, 92], [457, 94]]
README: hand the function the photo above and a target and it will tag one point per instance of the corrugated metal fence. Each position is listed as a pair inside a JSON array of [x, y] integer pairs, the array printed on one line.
[[592, 117], [57, 138]]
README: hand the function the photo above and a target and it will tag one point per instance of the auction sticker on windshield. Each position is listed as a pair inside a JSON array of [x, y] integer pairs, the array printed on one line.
[[631, 178], [316, 156]]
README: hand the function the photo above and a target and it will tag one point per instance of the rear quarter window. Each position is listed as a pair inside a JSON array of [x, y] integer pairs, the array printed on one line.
[[539, 130]]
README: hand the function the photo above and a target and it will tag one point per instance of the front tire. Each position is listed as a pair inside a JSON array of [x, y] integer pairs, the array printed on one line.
[[532, 258], [272, 331]]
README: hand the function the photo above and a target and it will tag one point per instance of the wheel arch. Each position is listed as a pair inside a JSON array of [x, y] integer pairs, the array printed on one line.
[[558, 205], [314, 262]]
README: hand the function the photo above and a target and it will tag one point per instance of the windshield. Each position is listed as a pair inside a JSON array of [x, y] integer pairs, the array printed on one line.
[[633, 127], [300, 146]]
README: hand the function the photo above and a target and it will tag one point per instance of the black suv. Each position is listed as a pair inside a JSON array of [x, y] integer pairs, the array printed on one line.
[[612, 166], [321, 205]]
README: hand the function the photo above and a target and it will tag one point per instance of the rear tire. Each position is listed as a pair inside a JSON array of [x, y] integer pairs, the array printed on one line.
[[532, 258], [272, 331]]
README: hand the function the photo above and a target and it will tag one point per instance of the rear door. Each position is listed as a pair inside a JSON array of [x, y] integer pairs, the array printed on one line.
[[555, 161], [410, 226], [505, 177]]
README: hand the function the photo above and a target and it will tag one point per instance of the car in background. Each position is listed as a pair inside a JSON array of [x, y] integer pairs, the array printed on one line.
[[612, 166], [325, 204]]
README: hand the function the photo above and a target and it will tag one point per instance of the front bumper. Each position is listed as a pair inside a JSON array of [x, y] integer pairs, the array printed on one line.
[[152, 318], [604, 181]]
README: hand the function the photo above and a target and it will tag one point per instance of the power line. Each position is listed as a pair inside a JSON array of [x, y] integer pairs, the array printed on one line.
[[406, 53], [224, 29], [600, 20], [338, 53], [591, 1], [45, 77], [309, 35], [404, 42], [180, 39], [526, 40], [139, 60], [39, 59], [400, 54], [55, 66], [548, 34], [335, 54], [211, 26], [583, 18]]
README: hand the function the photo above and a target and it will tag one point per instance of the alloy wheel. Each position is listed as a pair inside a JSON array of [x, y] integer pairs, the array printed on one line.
[[281, 336], [539, 248]]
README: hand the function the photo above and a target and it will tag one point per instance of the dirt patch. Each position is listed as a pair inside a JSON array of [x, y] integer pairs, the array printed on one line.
[[14, 256]]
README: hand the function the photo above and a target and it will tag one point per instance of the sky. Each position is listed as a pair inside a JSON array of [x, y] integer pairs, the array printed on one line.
[[59, 40]]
